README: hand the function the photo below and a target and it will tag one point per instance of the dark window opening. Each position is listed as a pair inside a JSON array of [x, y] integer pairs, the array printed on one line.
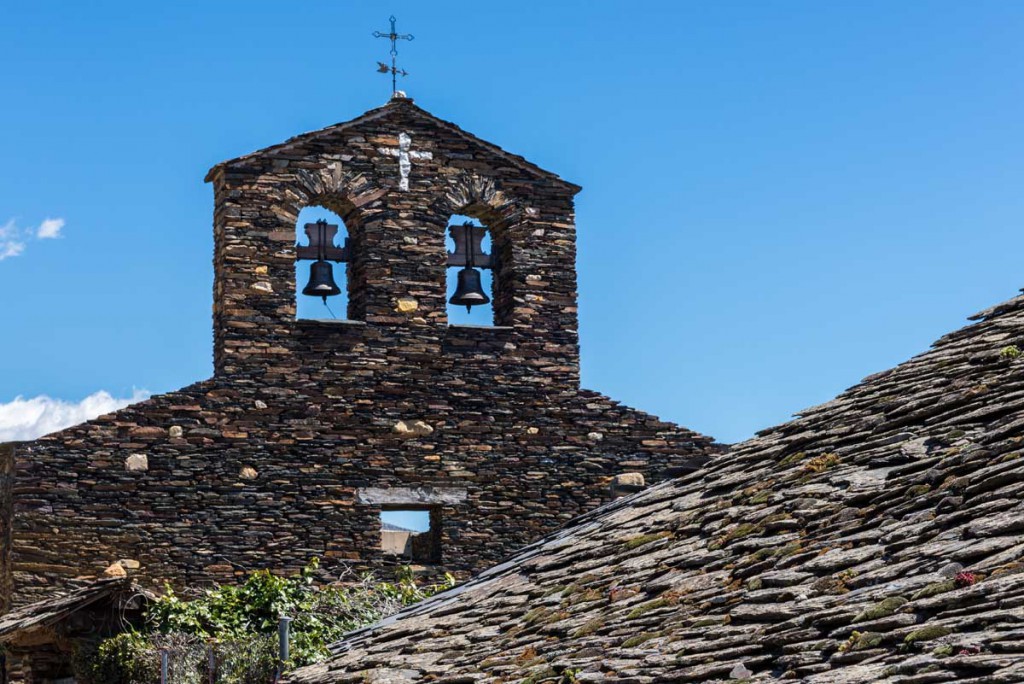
[[411, 534], [482, 258], [313, 306]]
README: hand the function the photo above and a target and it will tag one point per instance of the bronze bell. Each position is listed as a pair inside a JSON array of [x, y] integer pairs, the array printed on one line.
[[321, 281], [469, 291]]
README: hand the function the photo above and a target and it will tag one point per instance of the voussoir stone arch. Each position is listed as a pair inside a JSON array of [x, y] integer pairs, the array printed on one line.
[[332, 186], [284, 193], [480, 197]]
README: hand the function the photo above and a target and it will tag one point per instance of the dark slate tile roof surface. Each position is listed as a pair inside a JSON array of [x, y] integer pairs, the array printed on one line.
[[49, 611], [877, 537]]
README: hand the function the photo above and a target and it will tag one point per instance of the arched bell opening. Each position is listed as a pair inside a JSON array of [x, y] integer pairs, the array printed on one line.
[[471, 266], [322, 283]]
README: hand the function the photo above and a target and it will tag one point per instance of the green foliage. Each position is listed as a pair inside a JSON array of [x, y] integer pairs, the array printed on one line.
[[134, 658], [246, 661], [934, 589], [635, 641], [860, 641], [545, 673], [124, 659], [589, 628], [739, 531], [1009, 353], [882, 609], [569, 675], [793, 458], [927, 633], [240, 622], [644, 608], [641, 540]]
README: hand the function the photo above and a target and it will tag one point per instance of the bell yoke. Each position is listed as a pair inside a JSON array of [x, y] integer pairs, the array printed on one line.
[[321, 249]]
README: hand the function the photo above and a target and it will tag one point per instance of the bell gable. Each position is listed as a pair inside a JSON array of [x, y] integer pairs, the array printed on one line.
[[396, 177]]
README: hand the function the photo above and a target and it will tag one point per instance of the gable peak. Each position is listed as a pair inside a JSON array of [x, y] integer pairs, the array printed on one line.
[[399, 105]]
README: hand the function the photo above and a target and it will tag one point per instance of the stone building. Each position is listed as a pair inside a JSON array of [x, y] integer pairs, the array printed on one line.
[[309, 429]]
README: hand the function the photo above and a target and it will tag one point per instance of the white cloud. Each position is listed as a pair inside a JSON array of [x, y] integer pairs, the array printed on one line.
[[11, 248], [10, 240], [24, 419], [50, 229], [14, 239]]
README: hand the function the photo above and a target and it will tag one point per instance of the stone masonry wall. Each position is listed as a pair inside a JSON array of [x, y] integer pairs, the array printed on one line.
[[284, 453], [6, 515]]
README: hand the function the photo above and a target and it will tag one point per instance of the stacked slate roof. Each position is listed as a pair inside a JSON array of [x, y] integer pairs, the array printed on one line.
[[41, 615], [878, 537]]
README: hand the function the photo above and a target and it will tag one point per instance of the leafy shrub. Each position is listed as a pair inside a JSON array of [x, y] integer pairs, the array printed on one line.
[[124, 659], [246, 661], [239, 622]]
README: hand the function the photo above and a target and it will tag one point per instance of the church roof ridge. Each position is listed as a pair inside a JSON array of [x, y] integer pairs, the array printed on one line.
[[384, 110]]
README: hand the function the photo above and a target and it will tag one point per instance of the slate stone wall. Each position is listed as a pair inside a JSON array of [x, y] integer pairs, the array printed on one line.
[[262, 465], [6, 514]]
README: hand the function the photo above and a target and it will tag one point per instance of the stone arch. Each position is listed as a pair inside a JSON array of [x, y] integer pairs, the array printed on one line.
[[356, 199], [482, 198], [353, 197], [307, 229]]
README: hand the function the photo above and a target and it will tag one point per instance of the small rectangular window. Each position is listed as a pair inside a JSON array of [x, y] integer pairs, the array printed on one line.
[[411, 534]]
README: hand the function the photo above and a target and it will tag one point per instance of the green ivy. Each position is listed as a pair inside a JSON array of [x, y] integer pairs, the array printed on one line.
[[240, 623]]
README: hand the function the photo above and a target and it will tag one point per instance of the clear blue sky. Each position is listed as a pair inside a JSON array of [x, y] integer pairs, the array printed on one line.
[[779, 197]]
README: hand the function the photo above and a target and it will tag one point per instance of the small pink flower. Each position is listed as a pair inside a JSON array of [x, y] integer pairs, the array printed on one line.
[[969, 650], [964, 579]]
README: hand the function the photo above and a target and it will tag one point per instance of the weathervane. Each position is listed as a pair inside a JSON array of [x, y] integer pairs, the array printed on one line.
[[383, 68]]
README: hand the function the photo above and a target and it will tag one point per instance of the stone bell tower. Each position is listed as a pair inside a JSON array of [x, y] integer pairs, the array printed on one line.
[[310, 431], [396, 175]]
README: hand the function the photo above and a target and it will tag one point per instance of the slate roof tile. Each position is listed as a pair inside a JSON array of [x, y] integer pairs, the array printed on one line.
[[876, 537], [49, 611]]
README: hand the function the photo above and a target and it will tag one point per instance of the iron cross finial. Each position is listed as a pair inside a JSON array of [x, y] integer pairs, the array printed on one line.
[[394, 36]]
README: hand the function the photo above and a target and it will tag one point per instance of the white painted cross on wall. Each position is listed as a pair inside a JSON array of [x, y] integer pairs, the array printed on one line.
[[405, 155]]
